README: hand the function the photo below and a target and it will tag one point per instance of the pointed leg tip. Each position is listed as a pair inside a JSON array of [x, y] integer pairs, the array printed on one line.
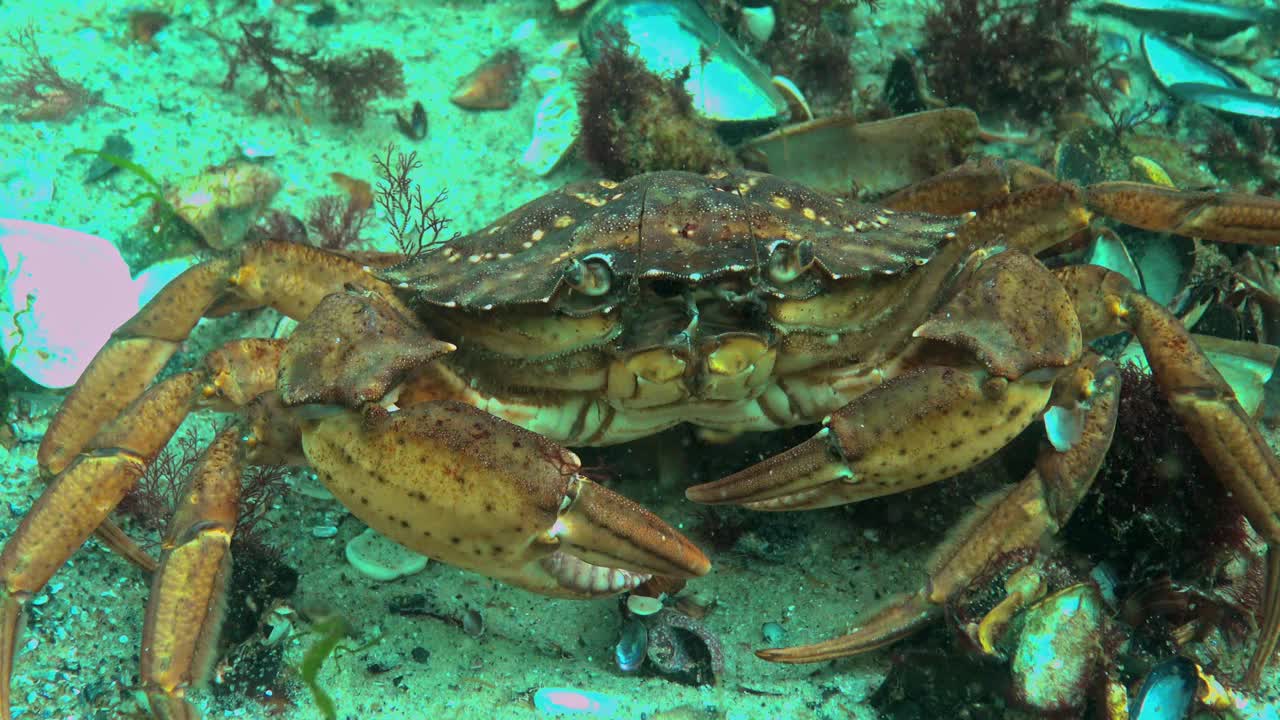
[[11, 616]]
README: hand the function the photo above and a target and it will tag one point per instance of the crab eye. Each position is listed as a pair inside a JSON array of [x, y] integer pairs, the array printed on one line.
[[590, 276], [788, 261]]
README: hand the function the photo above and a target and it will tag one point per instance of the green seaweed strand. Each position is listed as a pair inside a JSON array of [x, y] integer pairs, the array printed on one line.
[[331, 632]]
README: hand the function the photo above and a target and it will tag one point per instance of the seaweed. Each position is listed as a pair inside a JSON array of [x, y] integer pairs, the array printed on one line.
[[152, 501], [166, 230], [37, 86], [337, 221], [330, 631], [1242, 162], [811, 45], [634, 121], [409, 216], [1027, 59], [345, 84]]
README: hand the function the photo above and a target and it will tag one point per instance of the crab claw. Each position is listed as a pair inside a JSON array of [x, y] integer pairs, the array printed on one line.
[[874, 447], [472, 490]]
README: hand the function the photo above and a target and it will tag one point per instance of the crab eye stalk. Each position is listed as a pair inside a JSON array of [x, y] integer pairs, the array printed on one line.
[[788, 261], [590, 276]]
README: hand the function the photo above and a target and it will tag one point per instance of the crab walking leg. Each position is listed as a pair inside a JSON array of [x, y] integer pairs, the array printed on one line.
[[1010, 519], [184, 611], [1201, 398], [474, 491], [81, 496], [1220, 216], [290, 277], [79, 500]]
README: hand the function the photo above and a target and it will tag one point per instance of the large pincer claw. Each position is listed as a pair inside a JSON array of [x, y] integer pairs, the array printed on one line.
[[469, 489]]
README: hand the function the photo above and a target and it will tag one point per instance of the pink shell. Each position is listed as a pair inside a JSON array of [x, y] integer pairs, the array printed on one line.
[[80, 292]]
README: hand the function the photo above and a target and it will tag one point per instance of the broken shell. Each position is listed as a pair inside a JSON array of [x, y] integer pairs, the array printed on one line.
[[678, 36], [473, 623], [643, 605], [758, 22], [834, 153], [555, 130], [382, 559], [1058, 652], [494, 85], [222, 203], [796, 102]]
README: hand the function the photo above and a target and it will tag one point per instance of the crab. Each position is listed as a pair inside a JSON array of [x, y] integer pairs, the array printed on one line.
[[436, 396]]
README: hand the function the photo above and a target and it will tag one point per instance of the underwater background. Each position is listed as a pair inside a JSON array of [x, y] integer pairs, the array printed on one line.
[[138, 139]]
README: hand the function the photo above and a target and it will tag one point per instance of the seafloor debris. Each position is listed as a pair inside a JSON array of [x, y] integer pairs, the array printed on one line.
[[684, 649], [1058, 652], [555, 130], [38, 89], [222, 203], [494, 85], [571, 701], [382, 559]]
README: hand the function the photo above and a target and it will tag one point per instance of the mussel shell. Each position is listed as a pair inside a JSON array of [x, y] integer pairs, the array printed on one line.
[[1228, 99], [1167, 692], [1172, 64], [1209, 20], [726, 84], [632, 645]]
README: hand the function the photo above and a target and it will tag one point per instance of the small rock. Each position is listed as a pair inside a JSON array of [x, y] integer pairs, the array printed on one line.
[[324, 531], [473, 623], [420, 654], [773, 633], [382, 559]]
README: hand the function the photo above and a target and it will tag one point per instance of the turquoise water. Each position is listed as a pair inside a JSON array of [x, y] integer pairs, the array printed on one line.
[[336, 181]]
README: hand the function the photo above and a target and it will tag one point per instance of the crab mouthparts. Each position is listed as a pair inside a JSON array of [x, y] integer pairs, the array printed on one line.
[[576, 574]]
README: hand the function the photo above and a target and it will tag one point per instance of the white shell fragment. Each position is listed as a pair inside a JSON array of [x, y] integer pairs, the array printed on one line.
[[643, 604], [555, 130], [382, 559]]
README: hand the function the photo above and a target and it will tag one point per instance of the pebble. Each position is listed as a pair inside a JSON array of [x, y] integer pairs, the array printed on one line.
[[382, 559], [773, 633], [324, 531], [420, 654]]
